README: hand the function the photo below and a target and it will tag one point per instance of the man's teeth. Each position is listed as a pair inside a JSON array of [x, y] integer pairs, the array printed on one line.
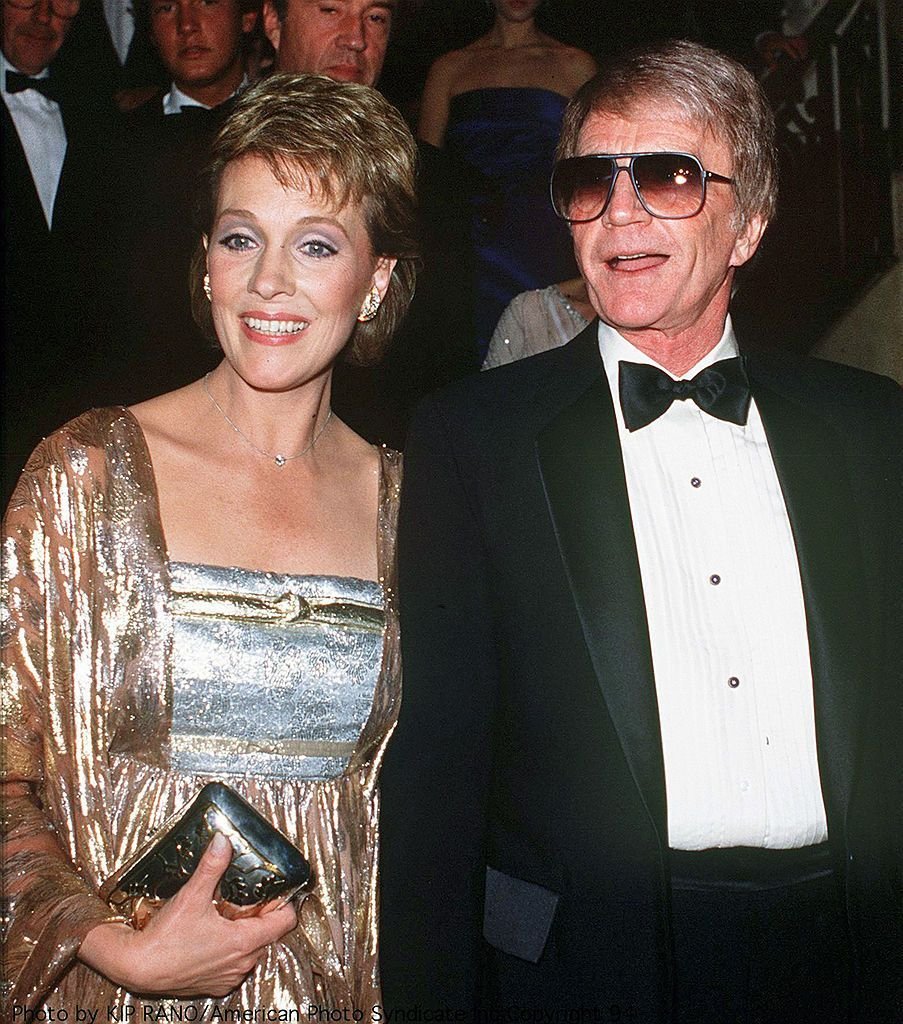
[[633, 256], [275, 326]]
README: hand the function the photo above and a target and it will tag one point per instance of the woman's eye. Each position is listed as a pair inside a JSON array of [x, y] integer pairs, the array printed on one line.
[[237, 243], [317, 248]]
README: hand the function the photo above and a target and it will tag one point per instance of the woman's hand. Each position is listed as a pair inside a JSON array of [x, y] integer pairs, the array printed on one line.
[[187, 948]]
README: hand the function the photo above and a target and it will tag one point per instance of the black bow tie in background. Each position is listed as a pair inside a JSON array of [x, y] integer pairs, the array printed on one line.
[[191, 112], [722, 390], [17, 82]]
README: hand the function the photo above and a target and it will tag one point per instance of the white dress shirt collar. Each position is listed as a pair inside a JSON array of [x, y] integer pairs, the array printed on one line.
[[42, 134], [5, 66], [175, 99], [615, 349]]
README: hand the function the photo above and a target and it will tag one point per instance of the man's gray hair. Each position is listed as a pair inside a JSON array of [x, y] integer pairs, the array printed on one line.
[[712, 90]]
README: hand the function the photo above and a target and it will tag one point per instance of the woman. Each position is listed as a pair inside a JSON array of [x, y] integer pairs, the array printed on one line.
[[202, 587], [538, 320], [497, 105]]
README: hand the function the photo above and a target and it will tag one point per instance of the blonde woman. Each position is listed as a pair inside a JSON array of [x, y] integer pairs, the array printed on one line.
[[202, 587]]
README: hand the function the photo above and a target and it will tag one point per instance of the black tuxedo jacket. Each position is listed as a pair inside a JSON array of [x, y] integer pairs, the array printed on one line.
[[55, 285], [150, 218], [524, 830]]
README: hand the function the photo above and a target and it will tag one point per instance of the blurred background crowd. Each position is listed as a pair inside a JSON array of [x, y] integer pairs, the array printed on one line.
[[109, 106]]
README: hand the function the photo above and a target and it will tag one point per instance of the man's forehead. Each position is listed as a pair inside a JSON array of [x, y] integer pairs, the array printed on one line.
[[646, 125], [362, 5]]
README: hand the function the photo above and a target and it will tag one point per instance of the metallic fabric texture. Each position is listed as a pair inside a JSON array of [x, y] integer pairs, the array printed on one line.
[[94, 720], [273, 675]]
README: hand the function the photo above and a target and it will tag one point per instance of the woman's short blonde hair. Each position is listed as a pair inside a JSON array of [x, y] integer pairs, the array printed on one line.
[[350, 145]]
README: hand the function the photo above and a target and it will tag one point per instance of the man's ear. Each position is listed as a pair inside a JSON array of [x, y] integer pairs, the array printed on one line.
[[748, 240], [272, 26]]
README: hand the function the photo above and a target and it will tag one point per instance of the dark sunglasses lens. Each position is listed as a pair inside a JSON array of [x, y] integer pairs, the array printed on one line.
[[670, 184], [580, 187]]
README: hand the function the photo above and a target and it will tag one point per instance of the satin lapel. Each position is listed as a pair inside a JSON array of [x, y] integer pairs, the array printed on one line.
[[583, 473], [820, 504]]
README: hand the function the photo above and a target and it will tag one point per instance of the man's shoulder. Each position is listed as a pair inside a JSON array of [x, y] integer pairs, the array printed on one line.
[[516, 400], [858, 411], [578, 358], [823, 380]]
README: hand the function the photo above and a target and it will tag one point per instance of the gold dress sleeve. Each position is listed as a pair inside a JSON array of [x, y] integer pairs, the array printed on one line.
[[48, 905]]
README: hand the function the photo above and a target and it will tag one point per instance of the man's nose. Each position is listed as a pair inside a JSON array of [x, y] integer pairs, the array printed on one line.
[[624, 207], [351, 32], [188, 17], [42, 11]]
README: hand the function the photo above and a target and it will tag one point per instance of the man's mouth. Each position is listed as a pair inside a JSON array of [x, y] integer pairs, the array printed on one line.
[[346, 72], [636, 260]]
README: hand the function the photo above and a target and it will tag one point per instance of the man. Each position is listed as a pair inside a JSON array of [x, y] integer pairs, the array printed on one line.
[[646, 767], [52, 138], [164, 145], [347, 40], [343, 39], [201, 44]]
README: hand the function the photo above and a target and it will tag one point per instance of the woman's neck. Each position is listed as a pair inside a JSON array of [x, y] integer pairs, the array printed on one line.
[[274, 422], [509, 35]]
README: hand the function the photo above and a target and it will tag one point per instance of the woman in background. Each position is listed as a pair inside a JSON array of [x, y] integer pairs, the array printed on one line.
[[538, 320], [497, 105], [202, 587]]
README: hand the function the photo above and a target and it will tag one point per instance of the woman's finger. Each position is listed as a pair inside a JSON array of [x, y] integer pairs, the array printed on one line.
[[211, 868]]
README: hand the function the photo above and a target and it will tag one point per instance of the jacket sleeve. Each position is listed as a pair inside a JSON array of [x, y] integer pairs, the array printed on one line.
[[48, 906], [434, 781]]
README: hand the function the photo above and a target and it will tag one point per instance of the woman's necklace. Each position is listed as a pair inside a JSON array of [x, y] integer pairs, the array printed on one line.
[[279, 459]]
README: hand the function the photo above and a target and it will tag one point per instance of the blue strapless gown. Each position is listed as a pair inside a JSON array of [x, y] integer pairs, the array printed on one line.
[[504, 139]]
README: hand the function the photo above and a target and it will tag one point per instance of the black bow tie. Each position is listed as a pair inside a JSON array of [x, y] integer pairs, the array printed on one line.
[[17, 82], [193, 111], [722, 390]]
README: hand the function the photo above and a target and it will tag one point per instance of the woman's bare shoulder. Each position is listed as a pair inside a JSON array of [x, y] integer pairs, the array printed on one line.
[[447, 67], [578, 64], [169, 414]]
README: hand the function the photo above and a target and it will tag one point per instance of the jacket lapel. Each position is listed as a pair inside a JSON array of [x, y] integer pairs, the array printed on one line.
[[583, 474], [820, 505]]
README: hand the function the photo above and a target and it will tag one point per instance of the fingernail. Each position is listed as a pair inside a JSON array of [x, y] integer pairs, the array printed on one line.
[[220, 844]]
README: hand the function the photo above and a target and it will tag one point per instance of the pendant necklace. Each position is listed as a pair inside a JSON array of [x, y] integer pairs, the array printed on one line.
[[279, 459]]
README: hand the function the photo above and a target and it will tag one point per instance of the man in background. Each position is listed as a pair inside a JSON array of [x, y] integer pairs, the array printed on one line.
[[54, 137], [347, 40], [163, 146]]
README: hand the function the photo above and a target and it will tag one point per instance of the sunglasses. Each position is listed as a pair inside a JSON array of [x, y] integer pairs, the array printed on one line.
[[670, 186]]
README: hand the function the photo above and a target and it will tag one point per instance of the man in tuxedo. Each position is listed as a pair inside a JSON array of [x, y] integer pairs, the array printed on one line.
[[347, 41], [647, 764], [202, 48], [165, 142], [53, 140]]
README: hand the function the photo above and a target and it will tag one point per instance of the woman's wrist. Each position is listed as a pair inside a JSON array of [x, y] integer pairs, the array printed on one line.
[[109, 949]]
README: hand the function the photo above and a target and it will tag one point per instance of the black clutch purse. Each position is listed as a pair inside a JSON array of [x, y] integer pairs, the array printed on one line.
[[265, 865]]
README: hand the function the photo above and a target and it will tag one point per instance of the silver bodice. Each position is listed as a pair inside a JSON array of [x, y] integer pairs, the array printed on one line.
[[273, 675]]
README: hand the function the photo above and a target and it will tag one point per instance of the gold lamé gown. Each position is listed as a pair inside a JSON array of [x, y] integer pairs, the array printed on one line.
[[118, 704]]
